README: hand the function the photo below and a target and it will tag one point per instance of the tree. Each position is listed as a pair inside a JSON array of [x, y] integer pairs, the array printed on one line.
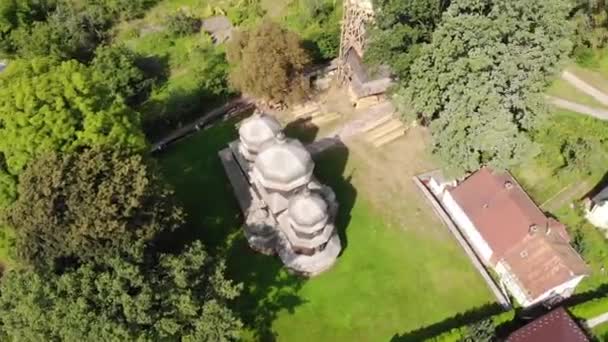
[[400, 28], [115, 67], [182, 24], [89, 205], [480, 82], [180, 297], [47, 106], [67, 32], [482, 331], [268, 62]]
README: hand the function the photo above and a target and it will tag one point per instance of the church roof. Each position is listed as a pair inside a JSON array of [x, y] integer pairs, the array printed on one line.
[[308, 211], [257, 130], [284, 164]]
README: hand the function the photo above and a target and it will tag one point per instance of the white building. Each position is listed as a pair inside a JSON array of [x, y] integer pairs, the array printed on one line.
[[597, 210], [529, 251]]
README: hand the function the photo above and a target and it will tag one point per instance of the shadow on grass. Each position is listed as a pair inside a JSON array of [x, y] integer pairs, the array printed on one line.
[[461, 319], [503, 330], [195, 171]]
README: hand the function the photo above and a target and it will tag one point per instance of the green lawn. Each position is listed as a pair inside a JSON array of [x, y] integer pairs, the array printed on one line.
[[388, 280], [601, 332]]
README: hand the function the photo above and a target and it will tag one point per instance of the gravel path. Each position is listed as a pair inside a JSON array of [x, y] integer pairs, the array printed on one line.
[[579, 108], [585, 87]]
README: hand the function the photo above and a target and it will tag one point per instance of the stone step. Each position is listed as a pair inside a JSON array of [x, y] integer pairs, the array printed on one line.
[[307, 111], [375, 124], [325, 118], [389, 138], [383, 130]]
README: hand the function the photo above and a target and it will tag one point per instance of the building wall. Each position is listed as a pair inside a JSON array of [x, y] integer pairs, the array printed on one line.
[[511, 284], [467, 227], [565, 290], [598, 216], [506, 277]]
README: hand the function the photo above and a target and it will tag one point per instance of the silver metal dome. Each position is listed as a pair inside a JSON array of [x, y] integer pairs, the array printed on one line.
[[255, 132], [308, 212], [283, 165]]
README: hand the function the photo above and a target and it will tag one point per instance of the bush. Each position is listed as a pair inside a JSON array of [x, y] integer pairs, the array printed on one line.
[[182, 24]]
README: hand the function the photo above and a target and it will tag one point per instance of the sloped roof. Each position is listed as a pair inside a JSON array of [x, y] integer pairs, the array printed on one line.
[[556, 326], [534, 247], [543, 261], [501, 210]]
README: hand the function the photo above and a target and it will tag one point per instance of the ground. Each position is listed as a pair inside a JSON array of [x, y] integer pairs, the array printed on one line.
[[601, 332], [400, 269]]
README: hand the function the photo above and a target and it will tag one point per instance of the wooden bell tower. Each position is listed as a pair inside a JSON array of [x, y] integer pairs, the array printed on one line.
[[357, 15]]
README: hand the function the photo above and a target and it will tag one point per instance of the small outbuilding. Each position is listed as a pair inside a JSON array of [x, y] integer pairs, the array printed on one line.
[[597, 209], [555, 326], [219, 27]]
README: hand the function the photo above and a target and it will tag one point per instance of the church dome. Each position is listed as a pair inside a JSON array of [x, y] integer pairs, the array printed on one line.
[[308, 212], [256, 131], [283, 164]]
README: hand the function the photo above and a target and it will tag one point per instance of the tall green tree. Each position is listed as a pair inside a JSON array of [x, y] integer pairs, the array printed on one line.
[[180, 297], [89, 205], [400, 28], [480, 82], [46, 106], [116, 68], [268, 62]]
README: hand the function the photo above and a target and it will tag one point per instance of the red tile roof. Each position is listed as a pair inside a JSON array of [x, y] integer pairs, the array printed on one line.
[[501, 210], [532, 246], [556, 326], [542, 262]]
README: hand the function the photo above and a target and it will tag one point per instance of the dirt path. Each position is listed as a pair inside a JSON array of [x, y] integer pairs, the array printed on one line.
[[567, 195], [579, 108], [585, 87]]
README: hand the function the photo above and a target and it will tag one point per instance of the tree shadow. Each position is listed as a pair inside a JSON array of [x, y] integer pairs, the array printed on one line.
[[459, 320], [302, 129]]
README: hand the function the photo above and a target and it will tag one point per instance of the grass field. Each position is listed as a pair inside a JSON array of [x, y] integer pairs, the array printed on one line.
[[601, 332], [391, 278]]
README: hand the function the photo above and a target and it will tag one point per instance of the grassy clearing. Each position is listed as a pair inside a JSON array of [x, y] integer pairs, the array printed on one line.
[[390, 279]]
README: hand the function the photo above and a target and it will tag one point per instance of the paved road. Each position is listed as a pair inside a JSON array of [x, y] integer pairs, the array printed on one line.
[[579, 108], [598, 320], [585, 87]]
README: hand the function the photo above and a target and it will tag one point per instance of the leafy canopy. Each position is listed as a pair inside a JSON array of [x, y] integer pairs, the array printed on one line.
[[45, 106], [400, 28], [268, 62], [179, 297], [480, 82], [89, 205]]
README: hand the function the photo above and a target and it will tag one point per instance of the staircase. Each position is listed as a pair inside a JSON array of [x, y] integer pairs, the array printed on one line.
[[384, 130], [314, 114]]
